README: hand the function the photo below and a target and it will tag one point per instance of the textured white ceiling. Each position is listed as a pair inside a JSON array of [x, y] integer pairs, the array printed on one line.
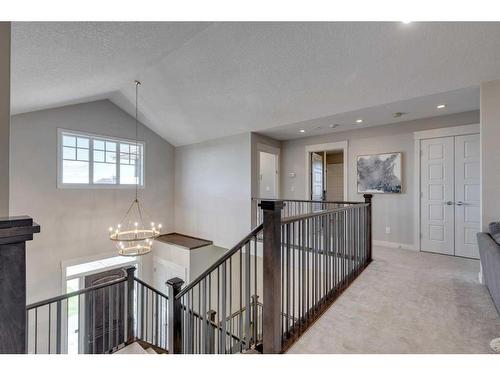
[[207, 80], [456, 101]]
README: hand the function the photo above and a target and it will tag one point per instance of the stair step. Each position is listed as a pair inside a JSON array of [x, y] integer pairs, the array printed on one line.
[[133, 348], [151, 351]]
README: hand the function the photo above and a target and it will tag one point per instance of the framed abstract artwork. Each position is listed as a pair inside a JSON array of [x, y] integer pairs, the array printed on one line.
[[379, 173]]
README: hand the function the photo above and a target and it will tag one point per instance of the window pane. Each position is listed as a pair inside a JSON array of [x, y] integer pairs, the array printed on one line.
[[124, 147], [124, 158], [110, 146], [82, 142], [104, 173], [128, 175], [69, 141], [82, 154], [75, 172], [98, 145], [111, 157], [69, 153], [99, 155], [133, 149]]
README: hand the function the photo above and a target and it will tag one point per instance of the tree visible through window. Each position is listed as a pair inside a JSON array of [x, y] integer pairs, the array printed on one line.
[[101, 161]]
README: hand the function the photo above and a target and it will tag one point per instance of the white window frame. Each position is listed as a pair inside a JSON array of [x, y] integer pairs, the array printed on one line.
[[91, 184]]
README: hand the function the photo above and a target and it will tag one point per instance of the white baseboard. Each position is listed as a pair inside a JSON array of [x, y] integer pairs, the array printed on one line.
[[394, 245]]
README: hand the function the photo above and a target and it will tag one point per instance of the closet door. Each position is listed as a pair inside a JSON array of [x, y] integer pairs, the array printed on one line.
[[467, 195], [437, 195]]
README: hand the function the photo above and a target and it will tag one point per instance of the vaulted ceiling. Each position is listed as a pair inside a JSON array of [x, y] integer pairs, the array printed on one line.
[[206, 80]]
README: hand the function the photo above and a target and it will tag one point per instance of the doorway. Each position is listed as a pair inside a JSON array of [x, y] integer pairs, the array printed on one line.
[[335, 176], [326, 171], [450, 193], [78, 275], [327, 175], [103, 329]]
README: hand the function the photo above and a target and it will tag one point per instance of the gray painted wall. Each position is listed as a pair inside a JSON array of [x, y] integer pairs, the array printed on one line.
[[391, 210], [74, 222], [213, 189], [490, 152], [4, 116]]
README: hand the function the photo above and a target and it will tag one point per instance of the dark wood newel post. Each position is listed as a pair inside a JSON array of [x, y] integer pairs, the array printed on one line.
[[130, 304], [271, 341], [14, 232], [368, 199], [174, 316]]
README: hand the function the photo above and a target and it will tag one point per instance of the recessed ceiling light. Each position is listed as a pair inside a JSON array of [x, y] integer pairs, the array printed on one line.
[[359, 120], [302, 131], [441, 106], [333, 126], [406, 22], [398, 114]]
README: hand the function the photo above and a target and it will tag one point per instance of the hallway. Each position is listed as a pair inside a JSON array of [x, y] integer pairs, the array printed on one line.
[[408, 302]]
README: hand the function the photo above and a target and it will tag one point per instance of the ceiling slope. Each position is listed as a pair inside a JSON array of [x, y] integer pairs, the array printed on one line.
[[207, 80]]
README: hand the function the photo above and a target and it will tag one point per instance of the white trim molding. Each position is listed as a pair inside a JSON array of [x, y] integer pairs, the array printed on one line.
[[428, 134], [447, 132], [333, 146]]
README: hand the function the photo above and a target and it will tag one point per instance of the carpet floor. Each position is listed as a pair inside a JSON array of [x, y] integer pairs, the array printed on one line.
[[408, 302]]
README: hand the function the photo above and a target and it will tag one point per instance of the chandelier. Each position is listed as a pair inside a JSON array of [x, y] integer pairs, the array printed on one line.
[[134, 235]]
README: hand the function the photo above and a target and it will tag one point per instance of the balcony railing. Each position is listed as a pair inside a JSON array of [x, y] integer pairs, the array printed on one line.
[[261, 295]]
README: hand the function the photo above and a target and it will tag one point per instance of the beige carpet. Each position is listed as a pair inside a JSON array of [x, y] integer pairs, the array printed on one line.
[[408, 302]]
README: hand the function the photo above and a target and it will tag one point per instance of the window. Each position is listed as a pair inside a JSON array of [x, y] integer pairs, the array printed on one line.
[[96, 161]]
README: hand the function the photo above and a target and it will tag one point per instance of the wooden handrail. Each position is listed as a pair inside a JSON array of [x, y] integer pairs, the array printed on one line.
[[221, 260], [76, 293], [305, 201], [291, 219], [150, 287]]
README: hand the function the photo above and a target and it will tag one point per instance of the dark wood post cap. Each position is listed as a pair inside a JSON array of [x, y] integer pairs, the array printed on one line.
[[16, 229], [368, 197], [130, 269], [271, 205], [175, 282]]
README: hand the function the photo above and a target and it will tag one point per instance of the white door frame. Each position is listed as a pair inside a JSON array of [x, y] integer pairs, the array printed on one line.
[[261, 147], [333, 146], [427, 134]]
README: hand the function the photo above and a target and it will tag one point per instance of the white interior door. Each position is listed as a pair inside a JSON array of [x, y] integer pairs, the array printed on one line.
[[467, 195], [437, 195], [268, 181], [317, 176]]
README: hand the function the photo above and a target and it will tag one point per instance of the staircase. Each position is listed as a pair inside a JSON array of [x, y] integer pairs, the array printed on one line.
[[257, 298]]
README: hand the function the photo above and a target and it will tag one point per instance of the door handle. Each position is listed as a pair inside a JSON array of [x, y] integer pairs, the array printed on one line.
[[460, 203], [449, 203]]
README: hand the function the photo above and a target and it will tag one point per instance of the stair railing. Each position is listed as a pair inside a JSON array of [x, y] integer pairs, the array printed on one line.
[[104, 318], [224, 288], [304, 261], [98, 315], [321, 254], [295, 207]]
